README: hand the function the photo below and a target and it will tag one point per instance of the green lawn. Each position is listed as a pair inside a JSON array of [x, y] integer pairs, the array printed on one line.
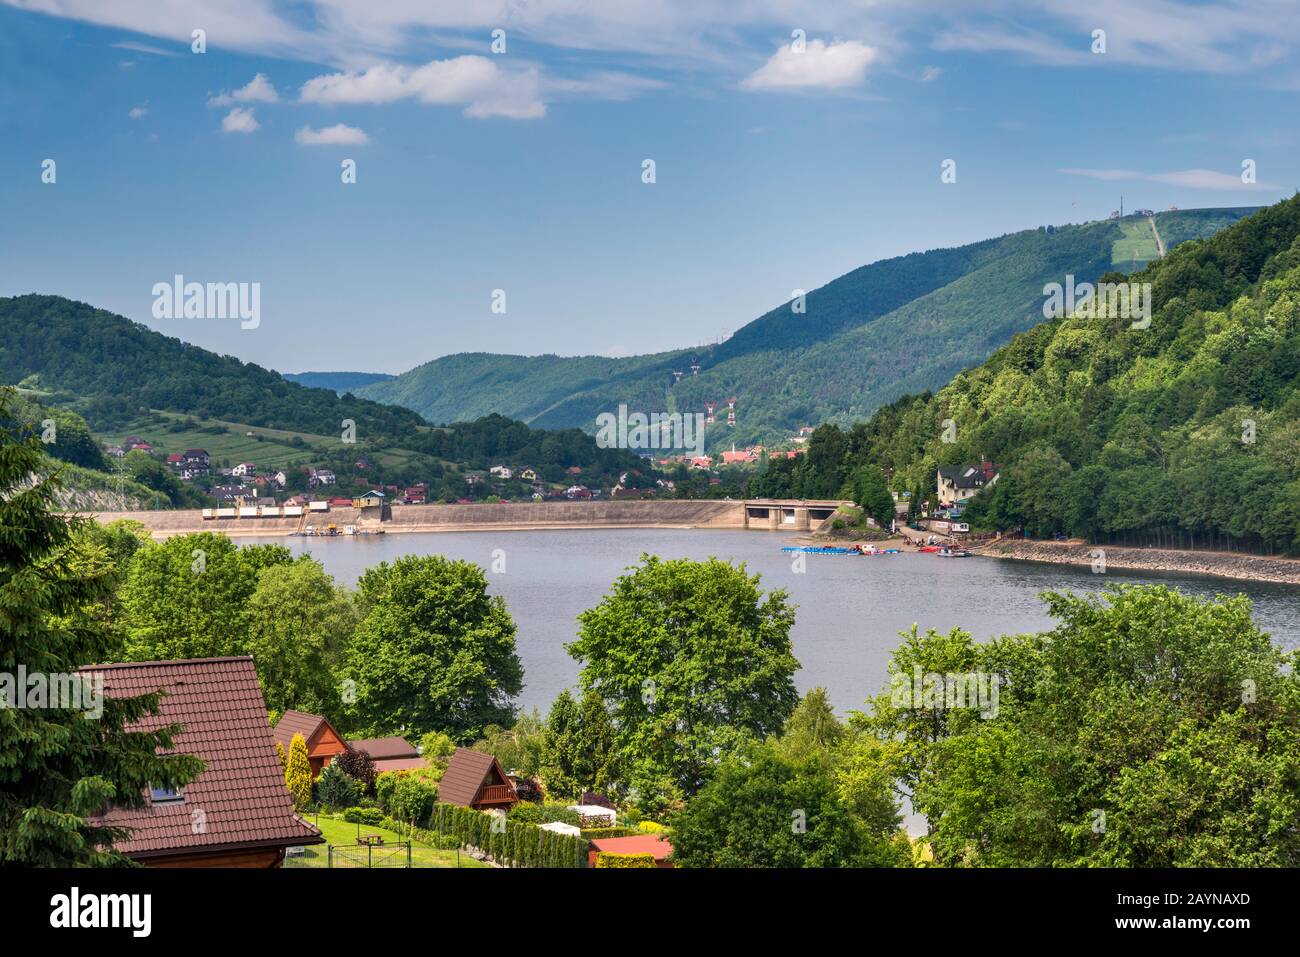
[[343, 834]]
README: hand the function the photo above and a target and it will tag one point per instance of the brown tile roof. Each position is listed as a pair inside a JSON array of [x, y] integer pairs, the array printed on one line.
[[241, 793], [466, 772], [390, 747], [296, 722]]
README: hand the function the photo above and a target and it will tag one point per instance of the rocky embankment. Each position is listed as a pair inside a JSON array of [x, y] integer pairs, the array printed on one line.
[[1220, 564]]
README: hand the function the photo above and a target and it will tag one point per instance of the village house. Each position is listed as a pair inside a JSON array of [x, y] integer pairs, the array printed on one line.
[[502, 471], [415, 495], [237, 812], [476, 780], [528, 475], [371, 499], [475, 477], [317, 477], [244, 470], [116, 451], [324, 744], [135, 443], [956, 483], [577, 492]]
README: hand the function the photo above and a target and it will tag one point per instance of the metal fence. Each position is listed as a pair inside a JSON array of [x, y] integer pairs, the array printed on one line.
[[370, 855]]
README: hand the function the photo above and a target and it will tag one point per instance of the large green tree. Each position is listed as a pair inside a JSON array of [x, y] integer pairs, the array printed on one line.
[[299, 623], [188, 597], [1148, 729], [58, 766], [692, 658], [433, 652], [763, 809]]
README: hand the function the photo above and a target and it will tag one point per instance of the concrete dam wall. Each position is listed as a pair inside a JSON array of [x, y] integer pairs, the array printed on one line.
[[737, 514]]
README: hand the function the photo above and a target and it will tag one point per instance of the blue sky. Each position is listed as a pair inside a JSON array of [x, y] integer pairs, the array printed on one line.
[[777, 167]]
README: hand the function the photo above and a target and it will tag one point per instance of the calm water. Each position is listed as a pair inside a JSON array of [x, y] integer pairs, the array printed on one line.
[[850, 610]]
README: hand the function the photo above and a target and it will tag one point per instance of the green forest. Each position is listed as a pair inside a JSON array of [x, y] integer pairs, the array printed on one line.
[[1185, 433]]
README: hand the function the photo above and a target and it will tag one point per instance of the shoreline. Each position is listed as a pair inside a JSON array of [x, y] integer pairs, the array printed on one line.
[[1227, 565]]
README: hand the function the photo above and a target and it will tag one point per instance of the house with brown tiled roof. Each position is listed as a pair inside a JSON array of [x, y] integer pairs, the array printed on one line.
[[393, 753], [474, 779], [237, 812], [324, 743]]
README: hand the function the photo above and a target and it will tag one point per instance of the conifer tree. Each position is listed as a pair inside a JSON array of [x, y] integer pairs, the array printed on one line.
[[60, 765]]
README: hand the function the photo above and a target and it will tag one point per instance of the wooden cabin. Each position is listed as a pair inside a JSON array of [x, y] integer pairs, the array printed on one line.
[[324, 744], [476, 780]]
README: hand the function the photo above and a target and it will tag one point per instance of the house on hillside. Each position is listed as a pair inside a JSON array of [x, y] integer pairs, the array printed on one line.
[[371, 499], [956, 483], [324, 743], [502, 471], [474, 779], [528, 475], [317, 477], [133, 442], [237, 812], [577, 492], [415, 495], [244, 470]]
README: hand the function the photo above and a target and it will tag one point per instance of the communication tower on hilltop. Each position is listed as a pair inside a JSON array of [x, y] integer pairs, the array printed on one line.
[[708, 412], [677, 376], [695, 368], [731, 411]]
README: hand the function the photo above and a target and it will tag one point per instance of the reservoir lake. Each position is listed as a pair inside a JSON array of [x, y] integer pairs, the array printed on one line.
[[849, 609]]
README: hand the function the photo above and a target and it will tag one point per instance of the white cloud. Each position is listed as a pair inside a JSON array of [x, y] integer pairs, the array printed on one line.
[[137, 112], [473, 82], [1187, 178], [144, 48], [336, 135], [256, 90], [931, 73], [240, 120], [819, 65]]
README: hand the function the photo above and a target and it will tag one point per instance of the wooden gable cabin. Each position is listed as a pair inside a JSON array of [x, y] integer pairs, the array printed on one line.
[[474, 779], [237, 812], [324, 744]]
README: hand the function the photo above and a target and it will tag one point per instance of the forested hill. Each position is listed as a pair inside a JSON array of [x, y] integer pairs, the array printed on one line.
[[336, 381], [896, 326], [123, 377], [1185, 433]]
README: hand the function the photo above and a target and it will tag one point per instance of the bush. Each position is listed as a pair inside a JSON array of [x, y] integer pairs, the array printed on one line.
[[510, 843], [607, 859], [412, 799], [651, 827], [371, 816], [596, 833], [359, 766], [336, 789]]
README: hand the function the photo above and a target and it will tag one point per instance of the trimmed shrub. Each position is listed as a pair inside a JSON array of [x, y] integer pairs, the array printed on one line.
[[544, 814], [609, 859], [651, 827], [371, 816]]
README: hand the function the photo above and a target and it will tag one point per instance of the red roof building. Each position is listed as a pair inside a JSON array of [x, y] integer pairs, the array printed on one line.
[[237, 812], [653, 844]]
